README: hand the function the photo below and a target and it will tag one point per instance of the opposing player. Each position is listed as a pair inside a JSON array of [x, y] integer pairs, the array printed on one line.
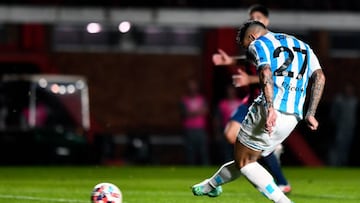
[[286, 66], [271, 161]]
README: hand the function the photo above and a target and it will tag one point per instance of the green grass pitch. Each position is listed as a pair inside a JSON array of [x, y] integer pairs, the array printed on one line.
[[167, 184]]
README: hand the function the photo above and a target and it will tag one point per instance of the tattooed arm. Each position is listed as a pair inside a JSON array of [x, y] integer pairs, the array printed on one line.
[[317, 89], [267, 86]]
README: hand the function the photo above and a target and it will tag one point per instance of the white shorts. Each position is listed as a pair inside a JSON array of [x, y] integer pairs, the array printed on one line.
[[253, 135]]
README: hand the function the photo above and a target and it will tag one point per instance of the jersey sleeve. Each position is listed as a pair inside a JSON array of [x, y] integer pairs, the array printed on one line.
[[258, 54]]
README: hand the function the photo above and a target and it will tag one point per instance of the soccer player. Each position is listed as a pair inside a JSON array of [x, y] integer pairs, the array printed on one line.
[[272, 161], [285, 66]]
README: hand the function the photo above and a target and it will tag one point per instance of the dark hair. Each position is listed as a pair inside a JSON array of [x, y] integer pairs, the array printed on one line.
[[244, 27], [259, 8]]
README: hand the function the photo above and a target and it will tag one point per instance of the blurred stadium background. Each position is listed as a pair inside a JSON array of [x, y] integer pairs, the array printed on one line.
[[98, 82]]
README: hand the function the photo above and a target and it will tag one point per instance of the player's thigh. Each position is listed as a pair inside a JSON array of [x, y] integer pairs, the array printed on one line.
[[285, 124]]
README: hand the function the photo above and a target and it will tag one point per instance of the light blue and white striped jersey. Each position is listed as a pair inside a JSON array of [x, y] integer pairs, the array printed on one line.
[[292, 63]]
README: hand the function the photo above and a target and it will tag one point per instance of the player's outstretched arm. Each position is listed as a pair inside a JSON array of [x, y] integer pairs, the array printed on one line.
[[243, 79], [317, 89], [222, 58]]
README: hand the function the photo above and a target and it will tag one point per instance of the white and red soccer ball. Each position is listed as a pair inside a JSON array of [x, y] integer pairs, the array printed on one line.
[[106, 193]]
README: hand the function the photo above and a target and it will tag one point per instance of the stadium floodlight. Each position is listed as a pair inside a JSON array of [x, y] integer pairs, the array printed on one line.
[[71, 89], [93, 28], [55, 88], [43, 82], [124, 26]]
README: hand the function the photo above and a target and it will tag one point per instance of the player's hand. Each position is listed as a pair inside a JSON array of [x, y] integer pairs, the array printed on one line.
[[312, 122], [270, 120], [222, 58], [241, 79]]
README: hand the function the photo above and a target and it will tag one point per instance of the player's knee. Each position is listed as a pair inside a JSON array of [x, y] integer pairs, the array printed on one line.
[[230, 135]]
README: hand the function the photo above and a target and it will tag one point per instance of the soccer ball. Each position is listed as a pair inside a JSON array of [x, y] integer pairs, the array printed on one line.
[[106, 193]]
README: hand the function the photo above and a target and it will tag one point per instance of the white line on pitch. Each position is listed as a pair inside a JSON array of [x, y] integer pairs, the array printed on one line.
[[19, 197]]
